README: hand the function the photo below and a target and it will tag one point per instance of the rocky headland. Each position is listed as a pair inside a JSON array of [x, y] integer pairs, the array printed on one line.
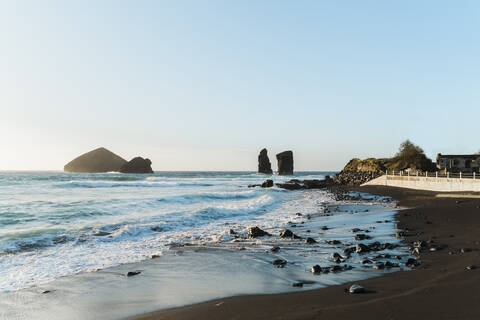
[[96, 161]]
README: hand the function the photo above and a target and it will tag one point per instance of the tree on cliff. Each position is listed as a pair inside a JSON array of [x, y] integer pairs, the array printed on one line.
[[411, 156]]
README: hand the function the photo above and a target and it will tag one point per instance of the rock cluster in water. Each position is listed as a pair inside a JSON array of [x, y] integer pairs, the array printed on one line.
[[264, 165], [102, 160]]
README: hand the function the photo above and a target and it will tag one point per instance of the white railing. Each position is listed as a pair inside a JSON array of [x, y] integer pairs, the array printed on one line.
[[437, 175]]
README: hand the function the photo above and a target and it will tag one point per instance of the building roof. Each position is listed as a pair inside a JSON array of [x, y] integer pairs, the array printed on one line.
[[468, 156]]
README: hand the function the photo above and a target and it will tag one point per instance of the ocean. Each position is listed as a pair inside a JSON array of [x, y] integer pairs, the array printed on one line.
[[55, 224], [68, 242]]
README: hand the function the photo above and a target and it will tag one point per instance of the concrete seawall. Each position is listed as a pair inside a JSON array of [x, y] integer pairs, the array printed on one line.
[[441, 184]]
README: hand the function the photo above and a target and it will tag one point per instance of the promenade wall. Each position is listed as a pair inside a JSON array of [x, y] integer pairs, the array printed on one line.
[[442, 184]]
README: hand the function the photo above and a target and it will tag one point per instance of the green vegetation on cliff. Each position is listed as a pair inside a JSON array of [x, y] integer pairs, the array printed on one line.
[[409, 156]]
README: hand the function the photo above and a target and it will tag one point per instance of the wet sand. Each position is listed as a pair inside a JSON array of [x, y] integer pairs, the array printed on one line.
[[440, 288]]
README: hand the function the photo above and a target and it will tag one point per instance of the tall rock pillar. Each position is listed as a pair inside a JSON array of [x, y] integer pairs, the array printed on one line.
[[285, 163], [264, 165]]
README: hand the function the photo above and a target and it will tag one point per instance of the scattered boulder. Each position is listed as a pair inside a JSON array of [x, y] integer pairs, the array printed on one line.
[[264, 165], [361, 248], [356, 288], [333, 242], [133, 273], [316, 269], [310, 240], [255, 232], [297, 284], [101, 234], [95, 161], [337, 258], [267, 183], [379, 266], [137, 165], [285, 163], [288, 234], [411, 262], [275, 249], [361, 236], [279, 263]]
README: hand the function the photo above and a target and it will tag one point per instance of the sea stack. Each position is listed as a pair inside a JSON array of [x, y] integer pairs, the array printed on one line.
[[285, 163], [95, 161], [137, 165], [264, 165]]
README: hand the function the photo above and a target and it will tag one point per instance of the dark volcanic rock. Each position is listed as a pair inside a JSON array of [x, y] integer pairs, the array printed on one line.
[[267, 184], [289, 186], [98, 160], [355, 288], [355, 178], [310, 240], [133, 273], [361, 248], [137, 165], [279, 263], [361, 236], [264, 165], [316, 269], [288, 234], [296, 184], [285, 163], [412, 262], [254, 232]]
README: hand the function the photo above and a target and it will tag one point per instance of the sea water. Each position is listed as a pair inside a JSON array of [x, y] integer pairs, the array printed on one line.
[[68, 241], [55, 224]]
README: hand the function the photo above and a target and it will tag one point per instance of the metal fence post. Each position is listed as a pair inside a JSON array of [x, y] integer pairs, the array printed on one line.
[[460, 175], [473, 175], [448, 174]]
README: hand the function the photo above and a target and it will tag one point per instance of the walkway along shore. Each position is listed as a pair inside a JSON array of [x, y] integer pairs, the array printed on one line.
[[429, 181]]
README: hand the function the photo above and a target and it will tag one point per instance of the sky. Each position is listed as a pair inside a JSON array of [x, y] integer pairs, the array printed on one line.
[[205, 85]]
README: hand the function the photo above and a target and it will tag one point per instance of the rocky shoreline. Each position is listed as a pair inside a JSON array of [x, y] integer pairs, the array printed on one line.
[[442, 232]]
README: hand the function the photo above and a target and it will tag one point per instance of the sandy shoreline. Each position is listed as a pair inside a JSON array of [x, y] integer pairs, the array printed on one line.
[[440, 288]]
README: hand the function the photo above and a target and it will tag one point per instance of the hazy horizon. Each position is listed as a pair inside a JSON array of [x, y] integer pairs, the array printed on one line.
[[204, 86]]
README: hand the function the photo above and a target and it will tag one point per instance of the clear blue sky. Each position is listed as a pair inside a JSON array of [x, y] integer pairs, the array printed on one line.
[[204, 85]]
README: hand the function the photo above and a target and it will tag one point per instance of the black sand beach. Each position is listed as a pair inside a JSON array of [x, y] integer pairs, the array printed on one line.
[[440, 288]]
